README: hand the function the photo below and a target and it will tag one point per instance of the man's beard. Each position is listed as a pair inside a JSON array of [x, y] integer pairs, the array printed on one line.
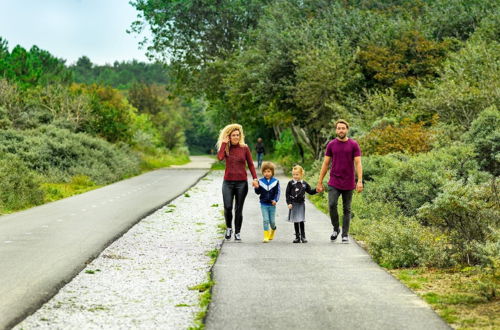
[[341, 135]]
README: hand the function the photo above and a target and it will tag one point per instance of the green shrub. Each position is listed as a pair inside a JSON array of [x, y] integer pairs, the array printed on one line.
[[412, 183], [403, 242], [58, 154], [484, 135], [376, 165], [20, 186], [467, 213]]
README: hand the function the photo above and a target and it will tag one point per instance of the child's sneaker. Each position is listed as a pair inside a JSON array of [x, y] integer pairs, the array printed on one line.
[[229, 231]]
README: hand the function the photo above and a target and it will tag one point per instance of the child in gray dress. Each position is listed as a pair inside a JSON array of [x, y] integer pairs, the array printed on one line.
[[295, 198]]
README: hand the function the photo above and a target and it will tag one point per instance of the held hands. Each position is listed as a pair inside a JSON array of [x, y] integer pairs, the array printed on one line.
[[290, 206], [319, 187], [273, 202], [255, 183]]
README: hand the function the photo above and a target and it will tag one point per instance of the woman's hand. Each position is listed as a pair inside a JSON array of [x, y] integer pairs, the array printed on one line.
[[274, 203], [255, 183], [290, 206], [226, 139]]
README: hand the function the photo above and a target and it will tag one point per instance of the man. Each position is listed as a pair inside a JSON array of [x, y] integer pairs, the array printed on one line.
[[259, 148], [345, 156]]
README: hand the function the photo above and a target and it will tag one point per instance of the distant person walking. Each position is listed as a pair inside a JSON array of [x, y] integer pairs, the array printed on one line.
[[232, 148], [259, 148], [344, 155]]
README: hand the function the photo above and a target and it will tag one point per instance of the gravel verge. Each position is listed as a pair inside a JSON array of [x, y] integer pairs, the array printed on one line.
[[142, 280]]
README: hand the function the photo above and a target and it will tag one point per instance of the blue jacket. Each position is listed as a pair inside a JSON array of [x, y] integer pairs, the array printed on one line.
[[268, 190]]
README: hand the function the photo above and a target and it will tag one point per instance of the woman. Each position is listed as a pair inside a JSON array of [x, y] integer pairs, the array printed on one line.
[[232, 148]]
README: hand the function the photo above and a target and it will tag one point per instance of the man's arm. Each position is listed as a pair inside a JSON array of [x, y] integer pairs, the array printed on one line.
[[359, 173], [322, 173]]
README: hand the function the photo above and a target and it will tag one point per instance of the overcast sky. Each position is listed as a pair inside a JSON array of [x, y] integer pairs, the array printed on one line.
[[69, 29]]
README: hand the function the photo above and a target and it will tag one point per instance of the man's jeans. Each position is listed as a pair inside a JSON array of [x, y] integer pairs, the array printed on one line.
[[268, 215], [260, 157], [333, 198]]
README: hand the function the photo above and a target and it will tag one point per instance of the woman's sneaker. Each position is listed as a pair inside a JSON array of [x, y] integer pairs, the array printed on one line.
[[237, 237], [345, 239], [229, 231], [334, 235]]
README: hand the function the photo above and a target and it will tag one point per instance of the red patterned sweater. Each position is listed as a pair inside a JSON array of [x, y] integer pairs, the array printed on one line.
[[235, 162]]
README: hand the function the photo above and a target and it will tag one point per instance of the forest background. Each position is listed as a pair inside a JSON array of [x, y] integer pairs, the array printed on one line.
[[417, 80]]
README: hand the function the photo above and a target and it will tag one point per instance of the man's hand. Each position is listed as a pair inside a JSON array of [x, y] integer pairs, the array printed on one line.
[[359, 186], [319, 187], [290, 206]]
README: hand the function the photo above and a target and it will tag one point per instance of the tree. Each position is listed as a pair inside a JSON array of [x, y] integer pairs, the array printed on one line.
[[409, 60]]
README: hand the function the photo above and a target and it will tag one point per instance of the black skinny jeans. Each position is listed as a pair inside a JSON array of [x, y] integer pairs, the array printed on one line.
[[333, 199], [234, 190]]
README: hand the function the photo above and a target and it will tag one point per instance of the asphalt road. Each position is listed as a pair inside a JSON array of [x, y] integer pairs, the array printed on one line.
[[43, 248], [316, 285]]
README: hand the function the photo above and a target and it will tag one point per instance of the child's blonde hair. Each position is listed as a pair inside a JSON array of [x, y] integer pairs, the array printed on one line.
[[226, 131], [300, 169], [268, 166]]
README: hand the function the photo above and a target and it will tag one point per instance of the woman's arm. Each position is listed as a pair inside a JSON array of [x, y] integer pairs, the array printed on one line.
[[222, 151], [251, 167]]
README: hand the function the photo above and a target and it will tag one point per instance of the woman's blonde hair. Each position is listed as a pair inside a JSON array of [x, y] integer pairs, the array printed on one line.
[[226, 131], [299, 169]]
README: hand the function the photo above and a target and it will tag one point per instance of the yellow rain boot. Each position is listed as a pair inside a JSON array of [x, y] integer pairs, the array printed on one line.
[[266, 236], [271, 234]]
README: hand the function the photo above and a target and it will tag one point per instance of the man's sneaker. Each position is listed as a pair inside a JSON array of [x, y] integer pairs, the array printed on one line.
[[334, 236], [229, 231], [237, 237], [345, 239]]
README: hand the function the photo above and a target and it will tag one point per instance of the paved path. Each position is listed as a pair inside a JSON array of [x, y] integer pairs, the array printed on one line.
[[42, 248], [318, 285]]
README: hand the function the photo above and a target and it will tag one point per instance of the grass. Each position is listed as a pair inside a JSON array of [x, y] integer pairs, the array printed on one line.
[[455, 294], [465, 298], [79, 184], [218, 165], [205, 290], [158, 160]]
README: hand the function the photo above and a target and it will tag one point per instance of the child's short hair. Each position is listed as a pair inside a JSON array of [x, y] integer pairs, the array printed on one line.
[[299, 169], [268, 166]]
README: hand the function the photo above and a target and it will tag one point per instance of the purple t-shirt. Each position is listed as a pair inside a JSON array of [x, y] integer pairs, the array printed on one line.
[[342, 170]]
